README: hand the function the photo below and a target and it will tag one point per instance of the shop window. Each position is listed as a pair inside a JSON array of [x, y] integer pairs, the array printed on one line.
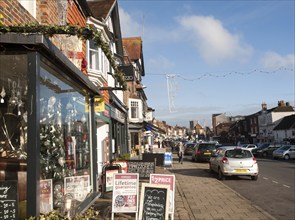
[[13, 105], [64, 140]]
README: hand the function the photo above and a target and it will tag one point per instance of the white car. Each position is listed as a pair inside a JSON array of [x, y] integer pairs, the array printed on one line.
[[233, 161], [249, 146], [287, 152]]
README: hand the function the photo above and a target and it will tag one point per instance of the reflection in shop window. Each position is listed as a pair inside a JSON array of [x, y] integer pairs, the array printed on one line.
[[13, 106], [64, 135]]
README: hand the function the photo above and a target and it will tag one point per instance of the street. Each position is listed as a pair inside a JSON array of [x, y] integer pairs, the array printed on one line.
[[274, 191]]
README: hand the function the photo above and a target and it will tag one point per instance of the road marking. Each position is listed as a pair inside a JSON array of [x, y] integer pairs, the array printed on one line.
[[265, 178], [275, 182], [286, 186]]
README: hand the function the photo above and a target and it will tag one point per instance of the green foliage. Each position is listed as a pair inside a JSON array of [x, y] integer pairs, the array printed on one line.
[[125, 157], [85, 33], [56, 215]]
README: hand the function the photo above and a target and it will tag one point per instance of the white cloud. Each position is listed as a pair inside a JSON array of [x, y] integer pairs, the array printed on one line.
[[161, 63], [129, 27], [214, 43], [272, 60]]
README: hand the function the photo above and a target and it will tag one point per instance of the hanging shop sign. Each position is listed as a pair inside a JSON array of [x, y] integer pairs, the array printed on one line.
[[99, 104]]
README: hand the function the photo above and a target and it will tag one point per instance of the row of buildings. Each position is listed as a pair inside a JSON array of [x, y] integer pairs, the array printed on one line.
[[72, 100], [271, 125]]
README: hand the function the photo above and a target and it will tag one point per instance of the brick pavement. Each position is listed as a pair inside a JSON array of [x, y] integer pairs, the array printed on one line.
[[198, 196]]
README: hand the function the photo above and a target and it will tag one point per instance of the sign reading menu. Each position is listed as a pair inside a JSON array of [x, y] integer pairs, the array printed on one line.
[[154, 202], [8, 200], [143, 168]]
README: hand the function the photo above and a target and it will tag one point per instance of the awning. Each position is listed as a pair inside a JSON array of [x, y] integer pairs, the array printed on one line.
[[151, 127]]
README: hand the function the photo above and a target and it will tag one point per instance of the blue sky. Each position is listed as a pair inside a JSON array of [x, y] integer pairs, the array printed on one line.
[[208, 57]]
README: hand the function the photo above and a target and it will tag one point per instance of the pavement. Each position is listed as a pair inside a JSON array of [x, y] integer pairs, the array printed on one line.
[[198, 195]]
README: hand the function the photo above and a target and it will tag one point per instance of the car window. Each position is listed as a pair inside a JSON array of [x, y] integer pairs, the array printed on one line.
[[286, 147], [238, 153], [207, 146]]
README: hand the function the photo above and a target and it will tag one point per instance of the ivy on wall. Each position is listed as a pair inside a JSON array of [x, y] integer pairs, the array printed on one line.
[[84, 33]]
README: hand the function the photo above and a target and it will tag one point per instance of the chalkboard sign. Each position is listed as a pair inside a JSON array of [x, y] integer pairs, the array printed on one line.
[[144, 169], [8, 200], [154, 202]]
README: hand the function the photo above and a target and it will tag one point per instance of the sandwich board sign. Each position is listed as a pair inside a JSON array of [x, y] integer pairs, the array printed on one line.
[[125, 193], [169, 180], [154, 201]]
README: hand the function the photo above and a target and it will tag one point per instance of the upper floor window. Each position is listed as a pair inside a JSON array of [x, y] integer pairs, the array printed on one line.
[[134, 109], [93, 58]]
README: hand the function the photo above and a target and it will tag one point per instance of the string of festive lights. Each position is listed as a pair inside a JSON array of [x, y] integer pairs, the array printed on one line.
[[215, 75]]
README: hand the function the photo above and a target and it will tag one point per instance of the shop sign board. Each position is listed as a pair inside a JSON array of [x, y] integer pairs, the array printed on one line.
[[109, 173], [46, 196], [123, 164], [8, 200], [99, 104], [154, 201], [77, 187], [169, 180], [125, 193], [168, 159]]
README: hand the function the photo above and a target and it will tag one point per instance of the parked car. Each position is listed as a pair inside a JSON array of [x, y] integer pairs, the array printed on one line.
[[259, 149], [188, 148], [203, 151], [249, 146], [233, 161], [266, 152], [286, 152]]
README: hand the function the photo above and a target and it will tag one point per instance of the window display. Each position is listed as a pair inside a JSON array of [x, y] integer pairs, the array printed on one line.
[[64, 133]]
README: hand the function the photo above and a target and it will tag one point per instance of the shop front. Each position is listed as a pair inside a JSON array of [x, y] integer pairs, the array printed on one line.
[[119, 138], [46, 128]]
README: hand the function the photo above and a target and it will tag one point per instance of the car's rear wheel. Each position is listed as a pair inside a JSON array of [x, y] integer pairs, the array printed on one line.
[[254, 177], [220, 175], [210, 167], [287, 157]]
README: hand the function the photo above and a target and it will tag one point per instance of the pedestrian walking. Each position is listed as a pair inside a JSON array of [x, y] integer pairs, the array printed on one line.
[[180, 153]]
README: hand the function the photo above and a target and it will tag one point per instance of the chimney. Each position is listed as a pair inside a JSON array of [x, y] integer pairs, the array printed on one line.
[[264, 106], [281, 103]]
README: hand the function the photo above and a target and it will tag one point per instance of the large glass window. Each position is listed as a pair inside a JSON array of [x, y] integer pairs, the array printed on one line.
[[64, 140], [13, 106]]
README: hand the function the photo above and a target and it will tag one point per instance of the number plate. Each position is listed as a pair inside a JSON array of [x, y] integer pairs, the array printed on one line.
[[241, 171]]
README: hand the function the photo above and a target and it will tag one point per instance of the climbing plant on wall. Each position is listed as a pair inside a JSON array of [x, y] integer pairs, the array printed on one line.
[[84, 33]]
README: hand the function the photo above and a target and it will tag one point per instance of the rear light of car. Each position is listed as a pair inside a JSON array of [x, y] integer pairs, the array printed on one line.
[[254, 160], [224, 160], [198, 152]]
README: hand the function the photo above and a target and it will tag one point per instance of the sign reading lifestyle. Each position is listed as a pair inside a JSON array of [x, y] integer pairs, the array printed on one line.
[[166, 180], [125, 193]]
